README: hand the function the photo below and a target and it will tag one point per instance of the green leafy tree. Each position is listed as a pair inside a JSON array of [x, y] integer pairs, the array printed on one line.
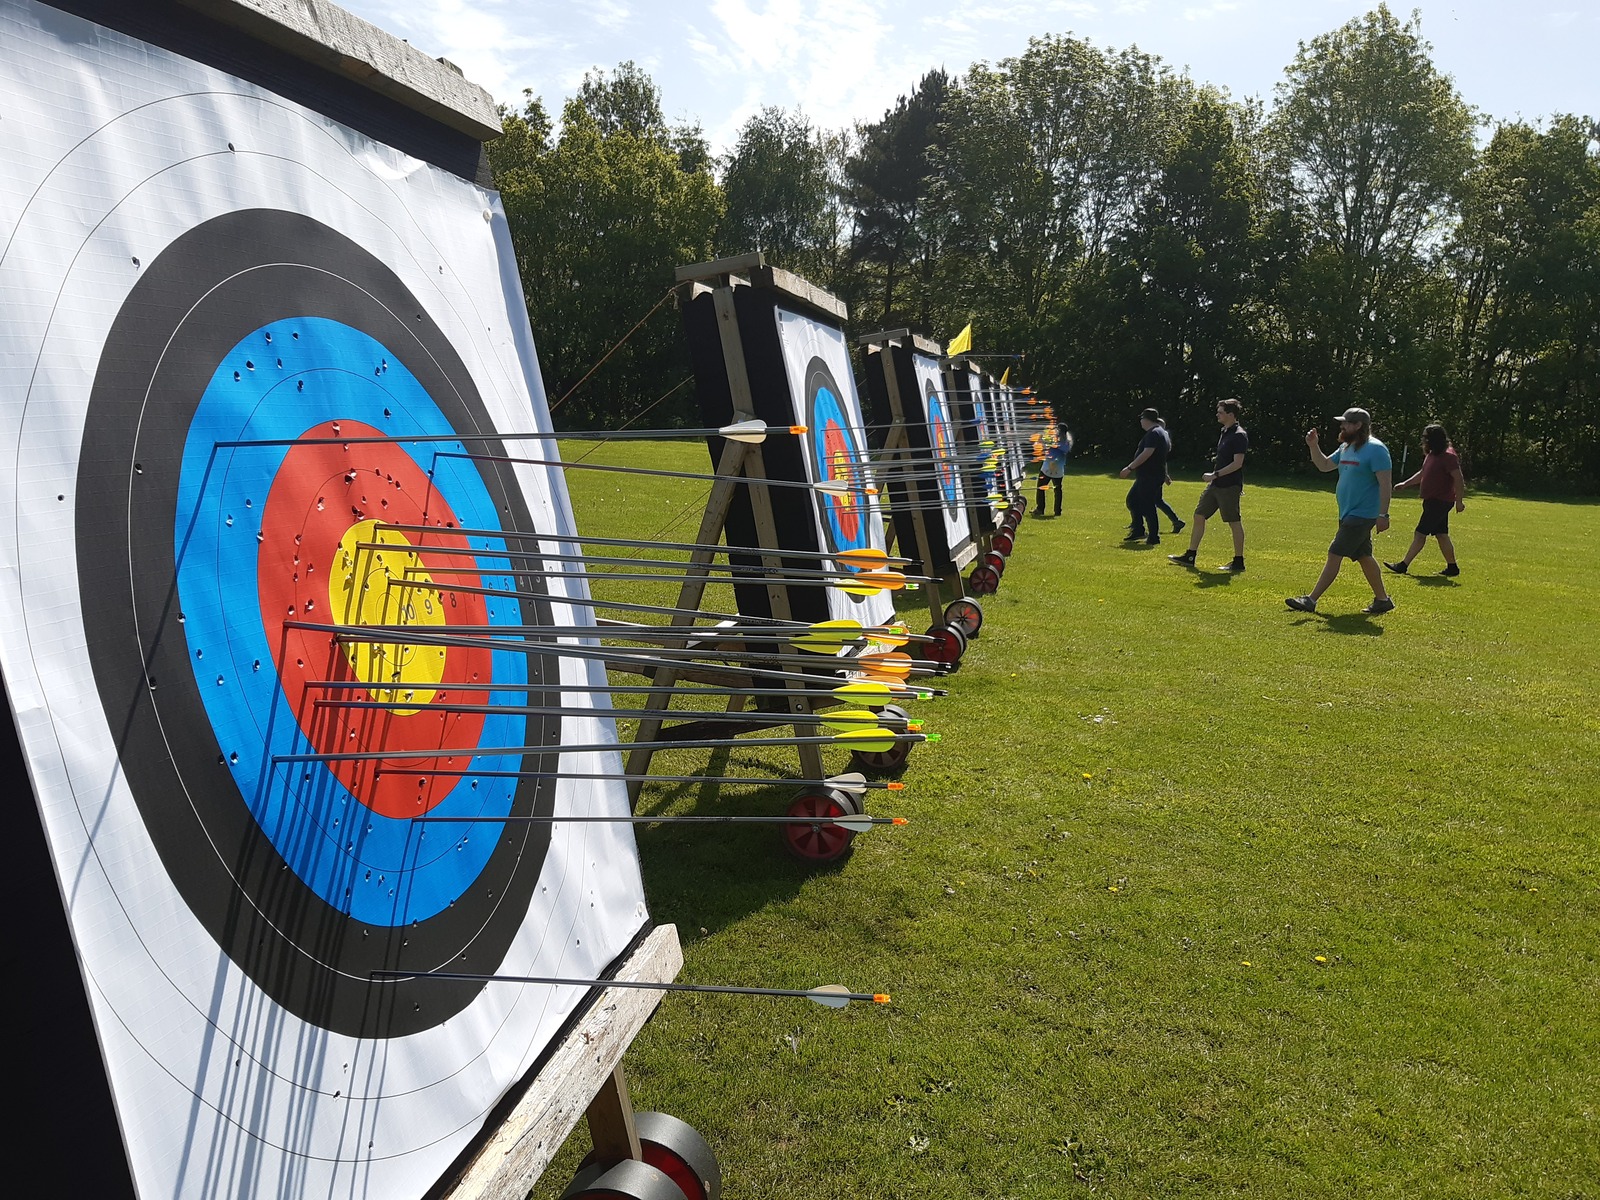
[[897, 238], [1373, 144], [1526, 262], [600, 215], [780, 191]]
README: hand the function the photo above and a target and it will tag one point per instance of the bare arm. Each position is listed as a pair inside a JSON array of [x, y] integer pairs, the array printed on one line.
[[1412, 482], [1324, 463], [1385, 491], [1134, 465], [1460, 481]]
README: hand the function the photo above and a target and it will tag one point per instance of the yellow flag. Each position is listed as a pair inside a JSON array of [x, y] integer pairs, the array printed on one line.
[[961, 343], [1005, 375]]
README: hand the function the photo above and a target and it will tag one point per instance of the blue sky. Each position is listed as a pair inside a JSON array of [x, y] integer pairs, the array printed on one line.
[[718, 61]]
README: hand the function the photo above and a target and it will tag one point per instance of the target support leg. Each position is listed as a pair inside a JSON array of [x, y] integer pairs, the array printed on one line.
[[611, 1124]]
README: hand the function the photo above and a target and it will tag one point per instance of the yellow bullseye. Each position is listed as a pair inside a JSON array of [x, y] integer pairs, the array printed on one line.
[[359, 592]]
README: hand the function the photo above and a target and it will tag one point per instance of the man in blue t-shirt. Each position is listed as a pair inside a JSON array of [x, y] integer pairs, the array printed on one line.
[[1366, 478]]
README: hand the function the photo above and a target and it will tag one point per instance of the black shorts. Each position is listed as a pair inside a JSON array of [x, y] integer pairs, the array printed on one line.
[[1354, 539], [1435, 521]]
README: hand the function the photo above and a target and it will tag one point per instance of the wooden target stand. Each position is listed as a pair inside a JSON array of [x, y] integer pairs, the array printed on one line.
[[915, 455], [737, 461], [581, 1078]]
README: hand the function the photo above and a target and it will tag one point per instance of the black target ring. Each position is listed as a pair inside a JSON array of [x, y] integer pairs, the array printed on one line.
[[210, 288]]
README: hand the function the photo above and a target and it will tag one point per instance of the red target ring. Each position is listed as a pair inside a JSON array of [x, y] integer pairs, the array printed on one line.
[[318, 564]]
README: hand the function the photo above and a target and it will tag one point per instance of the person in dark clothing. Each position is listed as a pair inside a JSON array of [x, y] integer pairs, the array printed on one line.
[[1149, 469], [1441, 485], [1224, 487], [1166, 478]]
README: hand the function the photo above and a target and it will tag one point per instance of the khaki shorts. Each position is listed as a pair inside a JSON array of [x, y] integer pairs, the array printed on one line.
[[1224, 500]]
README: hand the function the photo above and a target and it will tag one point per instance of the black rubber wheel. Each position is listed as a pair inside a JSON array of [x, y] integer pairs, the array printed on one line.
[[948, 645], [1003, 542], [966, 615], [811, 840], [984, 580], [627, 1180], [892, 759]]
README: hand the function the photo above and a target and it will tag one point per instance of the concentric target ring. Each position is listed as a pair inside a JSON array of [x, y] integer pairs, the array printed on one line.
[[834, 446], [307, 880]]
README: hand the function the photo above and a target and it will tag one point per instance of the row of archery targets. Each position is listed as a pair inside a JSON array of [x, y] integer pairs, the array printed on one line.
[[310, 665]]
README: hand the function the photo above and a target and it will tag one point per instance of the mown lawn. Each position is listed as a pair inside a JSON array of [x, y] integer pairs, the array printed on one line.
[[1200, 897]]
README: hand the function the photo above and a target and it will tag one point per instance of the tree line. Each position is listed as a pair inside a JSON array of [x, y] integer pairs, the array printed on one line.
[[1143, 238]]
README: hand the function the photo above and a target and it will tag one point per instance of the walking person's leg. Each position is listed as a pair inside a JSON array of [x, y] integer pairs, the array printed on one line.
[[1148, 496], [1135, 503], [1448, 549], [1369, 568]]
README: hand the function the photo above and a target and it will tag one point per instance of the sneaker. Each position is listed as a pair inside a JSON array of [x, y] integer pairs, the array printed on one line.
[[1398, 568], [1186, 559], [1133, 535], [1379, 607], [1451, 570], [1152, 541], [1236, 567], [1301, 604], [1179, 526]]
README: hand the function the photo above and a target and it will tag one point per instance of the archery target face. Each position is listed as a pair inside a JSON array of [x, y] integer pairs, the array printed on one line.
[[222, 317], [817, 362], [945, 450]]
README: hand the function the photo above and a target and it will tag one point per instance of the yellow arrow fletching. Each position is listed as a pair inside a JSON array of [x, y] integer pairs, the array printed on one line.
[[863, 693], [889, 581], [827, 637], [851, 718], [891, 635], [876, 741]]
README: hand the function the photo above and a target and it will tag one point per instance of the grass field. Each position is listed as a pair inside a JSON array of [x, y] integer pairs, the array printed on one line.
[[1200, 897]]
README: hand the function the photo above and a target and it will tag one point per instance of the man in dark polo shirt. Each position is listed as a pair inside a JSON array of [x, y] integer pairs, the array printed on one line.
[[1224, 485], [1149, 469]]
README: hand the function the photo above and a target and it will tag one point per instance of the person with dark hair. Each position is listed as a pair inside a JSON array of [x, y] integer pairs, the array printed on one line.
[[1052, 471], [1365, 482], [1149, 468], [1441, 484], [1224, 487]]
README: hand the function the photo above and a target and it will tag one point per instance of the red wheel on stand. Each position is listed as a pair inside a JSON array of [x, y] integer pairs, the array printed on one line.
[[984, 580], [673, 1147], [810, 838], [948, 645], [966, 615], [676, 1149], [627, 1180], [995, 560], [895, 756], [1003, 542]]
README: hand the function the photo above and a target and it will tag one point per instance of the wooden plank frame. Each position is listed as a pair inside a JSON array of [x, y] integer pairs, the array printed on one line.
[[582, 1077]]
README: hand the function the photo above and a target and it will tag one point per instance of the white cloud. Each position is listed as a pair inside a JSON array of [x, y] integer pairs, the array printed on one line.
[[1211, 10]]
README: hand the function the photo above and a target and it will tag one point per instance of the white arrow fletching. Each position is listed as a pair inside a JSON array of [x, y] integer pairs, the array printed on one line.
[[833, 487], [854, 824], [754, 432], [852, 781], [830, 995]]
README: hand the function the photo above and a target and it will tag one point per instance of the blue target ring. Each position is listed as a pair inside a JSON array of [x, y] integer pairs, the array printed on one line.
[[273, 385], [944, 447], [836, 455]]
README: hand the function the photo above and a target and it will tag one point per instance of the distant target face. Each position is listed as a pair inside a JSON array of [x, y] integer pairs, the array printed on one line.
[[944, 446], [837, 455], [282, 592]]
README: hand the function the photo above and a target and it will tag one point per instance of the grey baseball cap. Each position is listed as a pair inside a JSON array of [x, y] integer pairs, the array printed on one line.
[[1357, 416]]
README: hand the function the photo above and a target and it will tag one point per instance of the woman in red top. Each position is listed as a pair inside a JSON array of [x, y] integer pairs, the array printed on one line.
[[1441, 485]]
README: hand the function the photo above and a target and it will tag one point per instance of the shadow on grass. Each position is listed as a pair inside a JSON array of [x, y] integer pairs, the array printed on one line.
[[1444, 581], [1349, 624], [1211, 579], [710, 876]]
